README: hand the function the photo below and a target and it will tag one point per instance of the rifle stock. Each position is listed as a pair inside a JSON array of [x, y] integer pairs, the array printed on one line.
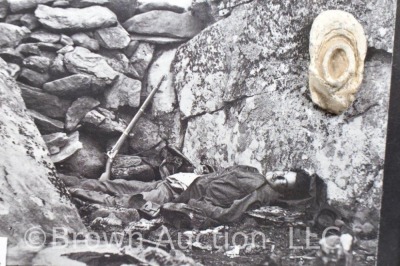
[[114, 151]]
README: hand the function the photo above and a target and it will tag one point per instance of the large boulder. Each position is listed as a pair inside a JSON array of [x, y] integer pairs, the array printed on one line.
[[31, 194], [165, 23], [12, 35], [246, 76], [75, 19]]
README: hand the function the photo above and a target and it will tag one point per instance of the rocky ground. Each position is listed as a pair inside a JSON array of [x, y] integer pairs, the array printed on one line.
[[83, 68]]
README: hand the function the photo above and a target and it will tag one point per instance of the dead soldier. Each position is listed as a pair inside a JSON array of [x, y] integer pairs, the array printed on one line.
[[206, 200]]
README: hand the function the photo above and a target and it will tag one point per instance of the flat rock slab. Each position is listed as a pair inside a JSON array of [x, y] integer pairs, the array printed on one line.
[[86, 3], [43, 102], [46, 124], [78, 110], [44, 36], [113, 37], [75, 19], [24, 5], [32, 195], [146, 6], [165, 23], [12, 35], [82, 61], [73, 145], [124, 92], [71, 86], [155, 39]]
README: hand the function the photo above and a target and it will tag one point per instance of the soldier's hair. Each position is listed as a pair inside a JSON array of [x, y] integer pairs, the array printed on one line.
[[302, 185]]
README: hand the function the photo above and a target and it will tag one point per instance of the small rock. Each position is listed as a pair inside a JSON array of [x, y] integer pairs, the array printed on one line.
[[58, 139], [57, 68], [88, 161], [113, 37], [44, 103], [37, 63], [66, 40], [33, 78], [125, 215], [78, 110], [69, 180], [86, 3], [96, 121], [75, 19], [124, 9], [44, 36], [82, 61], [50, 47], [124, 92], [3, 8], [142, 58], [71, 86], [23, 5], [45, 124], [11, 55], [119, 62], [145, 135], [81, 39], [28, 49], [131, 48], [368, 228], [65, 49], [14, 19], [12, 35], [141, 173], [14, 70], [165, 23], [156, 40], [124, 161], [30, 21], [73, 145]]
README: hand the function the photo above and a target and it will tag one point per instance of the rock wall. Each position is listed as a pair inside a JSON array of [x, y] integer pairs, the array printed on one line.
[[30, 193], [85, 67], [242, 89]]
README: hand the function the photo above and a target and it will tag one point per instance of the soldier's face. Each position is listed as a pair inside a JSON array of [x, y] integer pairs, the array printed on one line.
[[281, 180]]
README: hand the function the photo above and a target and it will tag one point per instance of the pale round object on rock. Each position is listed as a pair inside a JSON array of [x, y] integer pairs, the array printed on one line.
[[337, 51]]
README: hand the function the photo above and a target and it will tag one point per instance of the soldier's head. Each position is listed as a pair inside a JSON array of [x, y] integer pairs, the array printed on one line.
[[295, 182]]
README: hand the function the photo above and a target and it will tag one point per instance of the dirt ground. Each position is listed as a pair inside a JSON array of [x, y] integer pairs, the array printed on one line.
[[257, 241]]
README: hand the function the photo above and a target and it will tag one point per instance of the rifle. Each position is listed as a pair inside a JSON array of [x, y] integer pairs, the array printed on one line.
[[114, 151]]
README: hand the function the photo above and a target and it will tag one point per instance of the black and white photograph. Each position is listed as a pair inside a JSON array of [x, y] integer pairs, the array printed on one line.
[[199, 132]]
